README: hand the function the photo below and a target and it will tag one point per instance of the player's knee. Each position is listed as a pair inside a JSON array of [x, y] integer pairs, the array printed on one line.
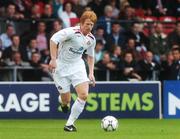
[[83, 96]]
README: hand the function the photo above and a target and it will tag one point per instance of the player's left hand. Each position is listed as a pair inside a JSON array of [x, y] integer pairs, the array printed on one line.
[[92, 80]]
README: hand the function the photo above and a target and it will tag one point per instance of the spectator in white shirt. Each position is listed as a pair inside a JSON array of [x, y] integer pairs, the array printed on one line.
[[67, 14], [5, 38]]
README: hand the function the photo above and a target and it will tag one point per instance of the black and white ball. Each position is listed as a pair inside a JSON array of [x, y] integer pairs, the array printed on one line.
[[109, 123]]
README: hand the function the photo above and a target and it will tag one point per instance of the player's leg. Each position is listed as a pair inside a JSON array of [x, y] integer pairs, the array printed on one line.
[[81, 85], [80, 82], [64, 100], [78, 106], [63, 87]]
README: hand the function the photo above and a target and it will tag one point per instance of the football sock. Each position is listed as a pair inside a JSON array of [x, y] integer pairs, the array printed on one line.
[[76, 110], [59, 99]]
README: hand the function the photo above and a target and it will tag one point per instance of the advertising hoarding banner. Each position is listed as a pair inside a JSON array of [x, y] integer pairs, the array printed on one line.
[[171, 95], [120, 99]]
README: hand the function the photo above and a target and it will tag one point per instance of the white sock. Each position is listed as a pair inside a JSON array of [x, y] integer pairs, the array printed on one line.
[[76, 110], [59, 99]]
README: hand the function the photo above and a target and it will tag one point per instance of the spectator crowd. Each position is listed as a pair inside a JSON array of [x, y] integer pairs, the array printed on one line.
[[136, 39]]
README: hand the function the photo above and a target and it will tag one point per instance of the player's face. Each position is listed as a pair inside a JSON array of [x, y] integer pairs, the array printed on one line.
[[87, 26]]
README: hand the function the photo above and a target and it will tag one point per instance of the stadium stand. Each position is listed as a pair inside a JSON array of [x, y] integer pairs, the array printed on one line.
[[40, 19]]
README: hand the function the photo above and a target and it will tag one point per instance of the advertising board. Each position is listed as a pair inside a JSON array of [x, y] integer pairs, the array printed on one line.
[[121, 99]]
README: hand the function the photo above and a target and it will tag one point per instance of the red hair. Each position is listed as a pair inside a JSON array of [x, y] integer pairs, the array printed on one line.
[[88, 15]]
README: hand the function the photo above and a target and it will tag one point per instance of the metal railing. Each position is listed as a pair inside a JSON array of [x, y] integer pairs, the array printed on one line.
[[12, 73]]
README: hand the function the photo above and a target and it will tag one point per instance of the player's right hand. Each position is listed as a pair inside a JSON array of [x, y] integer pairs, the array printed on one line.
[[52, 65], [92, 80]]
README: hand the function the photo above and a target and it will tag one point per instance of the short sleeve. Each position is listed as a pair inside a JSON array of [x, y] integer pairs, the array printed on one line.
[[90, 50], [62, 35]]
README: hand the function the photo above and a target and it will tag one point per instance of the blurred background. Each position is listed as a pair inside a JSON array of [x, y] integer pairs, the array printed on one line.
[[136, 40]]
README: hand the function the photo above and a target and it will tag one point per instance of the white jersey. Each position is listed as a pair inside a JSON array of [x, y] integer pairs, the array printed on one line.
[[72, 44]]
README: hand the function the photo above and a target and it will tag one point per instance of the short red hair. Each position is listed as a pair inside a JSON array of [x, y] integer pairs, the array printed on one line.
[[88, 15]]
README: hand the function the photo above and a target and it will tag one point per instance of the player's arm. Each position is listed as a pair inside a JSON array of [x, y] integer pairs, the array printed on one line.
[[90, 61], [53, 54]]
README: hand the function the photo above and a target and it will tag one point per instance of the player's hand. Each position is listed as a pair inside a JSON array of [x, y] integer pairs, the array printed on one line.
[[52, 65], [92, 80]]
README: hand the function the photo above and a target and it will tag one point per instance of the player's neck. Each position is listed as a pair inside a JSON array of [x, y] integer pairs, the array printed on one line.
[[84, 32]]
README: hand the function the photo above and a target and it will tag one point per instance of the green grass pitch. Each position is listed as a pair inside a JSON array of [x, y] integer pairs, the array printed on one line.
[[90, 129]]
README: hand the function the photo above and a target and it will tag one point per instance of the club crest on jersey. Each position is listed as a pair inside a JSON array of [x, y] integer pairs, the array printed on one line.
[[88, 43]]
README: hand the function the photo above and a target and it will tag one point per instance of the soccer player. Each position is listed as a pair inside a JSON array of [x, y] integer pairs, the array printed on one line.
[[68, 67]]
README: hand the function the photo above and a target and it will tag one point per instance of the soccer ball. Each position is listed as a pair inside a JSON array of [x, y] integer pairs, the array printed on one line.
[[109, 123]]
